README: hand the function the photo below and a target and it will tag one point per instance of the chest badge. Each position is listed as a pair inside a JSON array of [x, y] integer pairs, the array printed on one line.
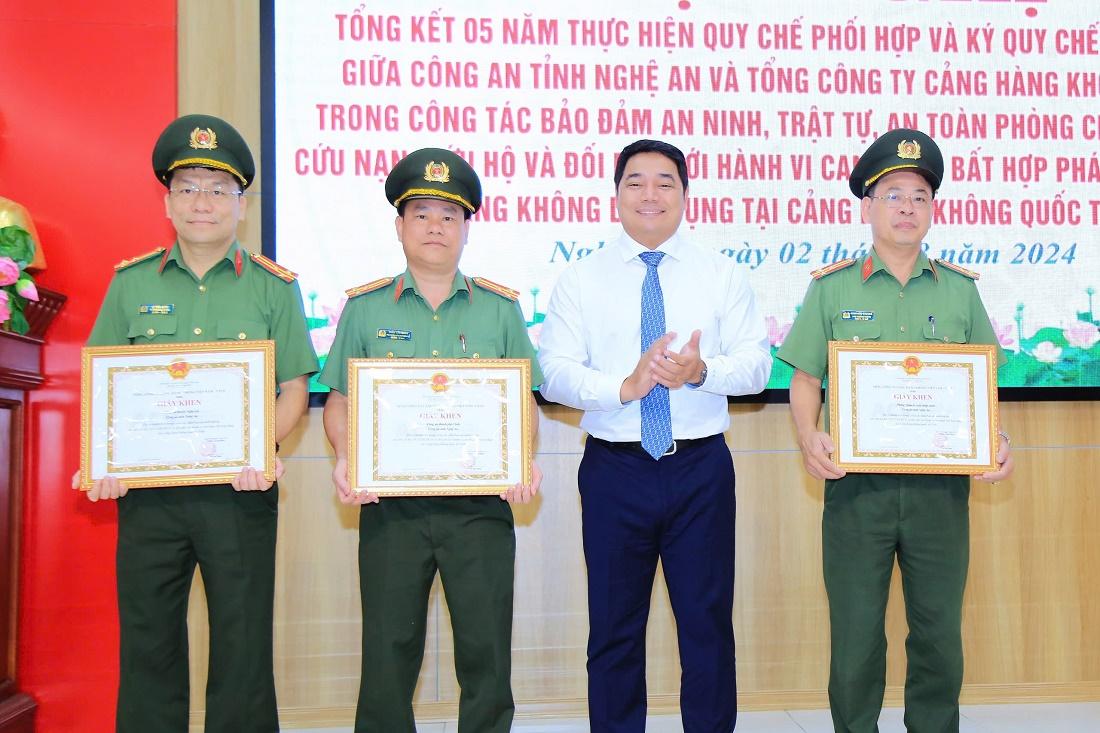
[[148, 309], [394, 334], [854, 315]]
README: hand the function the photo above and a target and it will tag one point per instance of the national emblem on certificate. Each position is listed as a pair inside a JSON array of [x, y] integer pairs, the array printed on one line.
[[420, 427], [913, 408], [177, 414]]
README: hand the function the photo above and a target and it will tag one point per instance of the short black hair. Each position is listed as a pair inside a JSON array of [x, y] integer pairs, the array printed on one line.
[[668, 150]]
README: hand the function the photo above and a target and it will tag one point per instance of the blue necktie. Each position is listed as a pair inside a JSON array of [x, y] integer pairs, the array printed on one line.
[[656, 415]]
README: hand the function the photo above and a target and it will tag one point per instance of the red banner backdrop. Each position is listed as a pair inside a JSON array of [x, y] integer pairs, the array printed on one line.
[[84, 90]]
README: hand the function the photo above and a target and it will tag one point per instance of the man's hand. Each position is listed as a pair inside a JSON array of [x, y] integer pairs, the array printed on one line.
[[1004, 460], [343, 489], [252, 479], [107, 487], [644, 376], [524, 493], [816, 448], [678, 368]]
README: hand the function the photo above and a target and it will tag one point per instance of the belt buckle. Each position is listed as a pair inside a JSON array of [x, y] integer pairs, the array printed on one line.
[[671, 451]]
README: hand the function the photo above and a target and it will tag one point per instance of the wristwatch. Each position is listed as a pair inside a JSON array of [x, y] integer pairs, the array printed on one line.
[[702, 377]]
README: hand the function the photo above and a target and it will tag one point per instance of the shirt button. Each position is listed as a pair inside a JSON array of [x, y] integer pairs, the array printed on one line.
[[477, 355], [389, 354], [242, 335], [202, 288], [855, 338], [435, 317], [198, 331], [903, 329], [435, 352], [150, 332], [945, 339], [901, 294]]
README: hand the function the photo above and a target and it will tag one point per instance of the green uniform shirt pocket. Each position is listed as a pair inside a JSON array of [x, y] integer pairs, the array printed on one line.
[[147, 327], [384, 348], [945, 331], [845, 329], [241, 331], [480, 349]]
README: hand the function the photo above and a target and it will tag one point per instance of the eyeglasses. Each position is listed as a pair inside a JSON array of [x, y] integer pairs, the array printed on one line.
[[192, 193], [895, 200]]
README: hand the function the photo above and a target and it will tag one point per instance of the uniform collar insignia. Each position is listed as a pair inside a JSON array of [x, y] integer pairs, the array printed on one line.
[[868, 267]]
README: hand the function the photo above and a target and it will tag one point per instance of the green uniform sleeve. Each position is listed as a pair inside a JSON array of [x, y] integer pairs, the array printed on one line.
[[517, 342], [294, 355], [111, 325], [807, 344], [346, 345]]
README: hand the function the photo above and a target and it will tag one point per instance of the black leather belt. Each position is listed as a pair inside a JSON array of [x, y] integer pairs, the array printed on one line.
[[636, 446]]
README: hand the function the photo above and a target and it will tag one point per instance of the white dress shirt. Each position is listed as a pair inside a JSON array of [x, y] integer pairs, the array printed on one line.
[[591, 338]]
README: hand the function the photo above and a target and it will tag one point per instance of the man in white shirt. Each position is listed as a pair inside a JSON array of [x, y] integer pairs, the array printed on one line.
[[648, 336]]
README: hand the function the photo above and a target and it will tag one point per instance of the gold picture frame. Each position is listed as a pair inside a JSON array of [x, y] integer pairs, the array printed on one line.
[[439, 427], [913, 407], [159, 415]]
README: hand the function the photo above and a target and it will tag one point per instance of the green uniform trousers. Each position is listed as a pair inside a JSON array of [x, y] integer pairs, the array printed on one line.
[[869, 519], [402, 543], [230, 535]]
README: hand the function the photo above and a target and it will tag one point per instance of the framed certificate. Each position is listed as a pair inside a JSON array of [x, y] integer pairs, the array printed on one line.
[[913, 407], [177, 414], [436, 427]]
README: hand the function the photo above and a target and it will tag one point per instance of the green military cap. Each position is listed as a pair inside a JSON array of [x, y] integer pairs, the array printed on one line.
[[898, 150], [433, 173], [203, 141]]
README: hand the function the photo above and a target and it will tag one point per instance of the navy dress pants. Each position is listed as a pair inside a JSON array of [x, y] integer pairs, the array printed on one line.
[[679, 509]]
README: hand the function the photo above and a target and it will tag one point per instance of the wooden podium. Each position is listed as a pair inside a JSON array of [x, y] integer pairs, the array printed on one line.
[[20, 372]]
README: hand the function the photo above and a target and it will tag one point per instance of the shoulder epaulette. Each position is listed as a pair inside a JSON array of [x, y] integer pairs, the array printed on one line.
[[961, 270], [369, 287], [140, 258], [501, 290], [273, 267], [829, 269]]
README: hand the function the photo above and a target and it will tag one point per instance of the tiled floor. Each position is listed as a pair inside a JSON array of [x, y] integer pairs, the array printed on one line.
[[1048, 718]]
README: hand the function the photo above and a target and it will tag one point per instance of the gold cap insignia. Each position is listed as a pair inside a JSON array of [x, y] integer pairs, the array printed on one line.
[[437, 172], [203, 139], [909, 150]]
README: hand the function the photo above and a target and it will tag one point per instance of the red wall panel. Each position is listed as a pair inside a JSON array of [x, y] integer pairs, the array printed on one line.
[[85, 88]]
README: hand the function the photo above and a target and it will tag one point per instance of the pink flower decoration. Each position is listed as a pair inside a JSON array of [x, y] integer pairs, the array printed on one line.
[[25, 287], [1082, 335], [333, 314], [322, 339], [9, 271], [777, 333], [1047, 352], [5, 311], [1004, 334]]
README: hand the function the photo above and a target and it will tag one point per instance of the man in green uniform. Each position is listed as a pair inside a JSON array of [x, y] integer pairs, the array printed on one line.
[[431, 310], [895, 293], [205, 287]]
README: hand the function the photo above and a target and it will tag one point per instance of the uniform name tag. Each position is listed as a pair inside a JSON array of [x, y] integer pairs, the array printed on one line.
[[857, 315], [395, 334], [158, 310]]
